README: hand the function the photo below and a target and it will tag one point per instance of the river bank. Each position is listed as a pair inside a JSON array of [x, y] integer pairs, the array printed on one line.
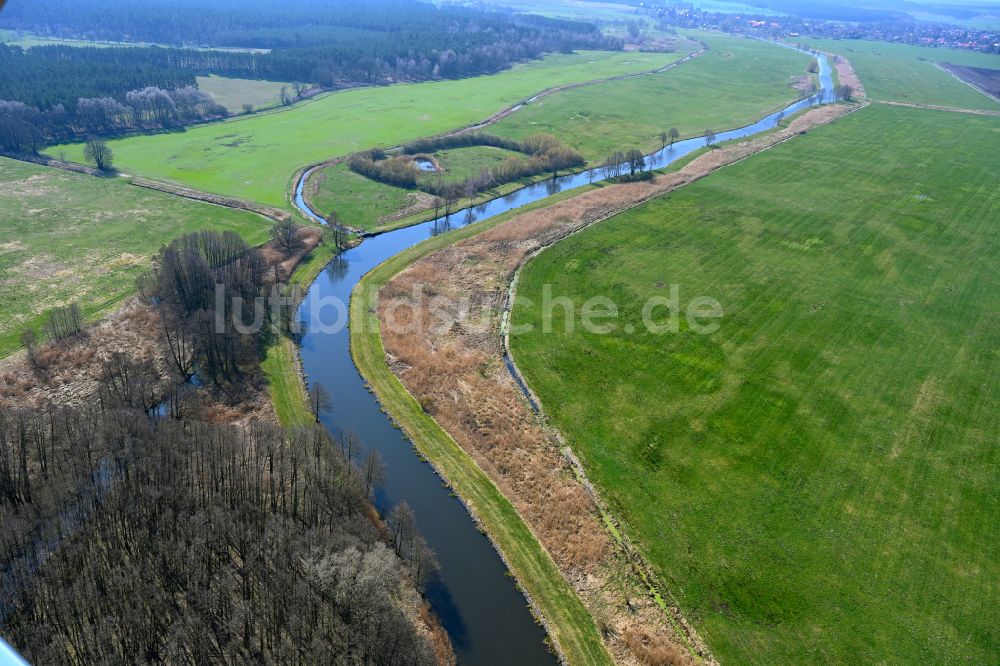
[[334, 360]]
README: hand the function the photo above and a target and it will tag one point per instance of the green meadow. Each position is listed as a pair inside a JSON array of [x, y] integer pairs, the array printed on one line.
[[358, 201], [256, 157], [905, 73], [736, 81], [234, 93], [366, 204], [67, 237], [817, 481]]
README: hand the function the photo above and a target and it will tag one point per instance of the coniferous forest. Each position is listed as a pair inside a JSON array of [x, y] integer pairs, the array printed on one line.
[[54, 93]]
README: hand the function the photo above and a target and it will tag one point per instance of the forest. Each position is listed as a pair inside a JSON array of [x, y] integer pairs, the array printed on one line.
[[135, 530], [329, 46], [129, 539]]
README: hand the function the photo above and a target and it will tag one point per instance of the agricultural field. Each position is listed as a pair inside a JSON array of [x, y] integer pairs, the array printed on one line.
[[67, 237], [734, 83], [987, 80], [904, 73], [27, 41], [816, 481], [256, 157], [234, 93]]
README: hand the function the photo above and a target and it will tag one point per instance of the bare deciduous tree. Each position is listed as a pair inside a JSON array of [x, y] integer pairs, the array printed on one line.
[[319, 400], [98, 152]]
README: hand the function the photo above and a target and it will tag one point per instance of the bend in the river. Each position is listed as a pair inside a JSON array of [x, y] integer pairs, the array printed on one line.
[[485, 615]]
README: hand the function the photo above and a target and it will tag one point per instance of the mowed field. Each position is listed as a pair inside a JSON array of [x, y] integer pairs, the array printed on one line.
[[735, 82], [256, 157], [818, 480], [67, 237], [905, 73]]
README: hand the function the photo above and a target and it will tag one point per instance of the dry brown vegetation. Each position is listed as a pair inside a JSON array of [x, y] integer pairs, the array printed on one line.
[[67, 373], [848, 77], [451, 360]]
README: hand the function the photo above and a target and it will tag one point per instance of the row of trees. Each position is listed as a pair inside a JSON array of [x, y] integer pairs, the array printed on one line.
[[25, 129], [630, 165]]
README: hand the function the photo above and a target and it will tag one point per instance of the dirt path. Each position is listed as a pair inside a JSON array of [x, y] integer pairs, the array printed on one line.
[[275, 214], [934, 107], [452, 362]]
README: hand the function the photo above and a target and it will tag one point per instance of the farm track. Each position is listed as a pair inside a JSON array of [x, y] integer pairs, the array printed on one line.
[[934, 107]]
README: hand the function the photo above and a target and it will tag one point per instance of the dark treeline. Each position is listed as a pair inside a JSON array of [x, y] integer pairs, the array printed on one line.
[[252, 23], [327, 44], [129, 540], [543, 153], [25, 129]]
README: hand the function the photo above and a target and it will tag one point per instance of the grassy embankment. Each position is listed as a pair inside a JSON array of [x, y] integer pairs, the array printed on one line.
[[735, 82], [816, 481], [280, 363], [567, 618], [66, 237], [256, 157], [904, 73]]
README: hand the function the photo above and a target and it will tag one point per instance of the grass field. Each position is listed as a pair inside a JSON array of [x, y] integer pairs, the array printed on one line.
[[461, 163], [367, 204], [904, 73], [27, 41], [67, 237], [256, 157], [359, 202], [817, 481], [735, 82], [234, 93]]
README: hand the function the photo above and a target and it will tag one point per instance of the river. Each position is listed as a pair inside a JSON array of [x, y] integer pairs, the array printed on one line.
[[485, 615]]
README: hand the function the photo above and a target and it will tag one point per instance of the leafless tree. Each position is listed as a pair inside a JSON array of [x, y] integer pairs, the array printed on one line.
[[319, 400], [285, 234], [98, 152]]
